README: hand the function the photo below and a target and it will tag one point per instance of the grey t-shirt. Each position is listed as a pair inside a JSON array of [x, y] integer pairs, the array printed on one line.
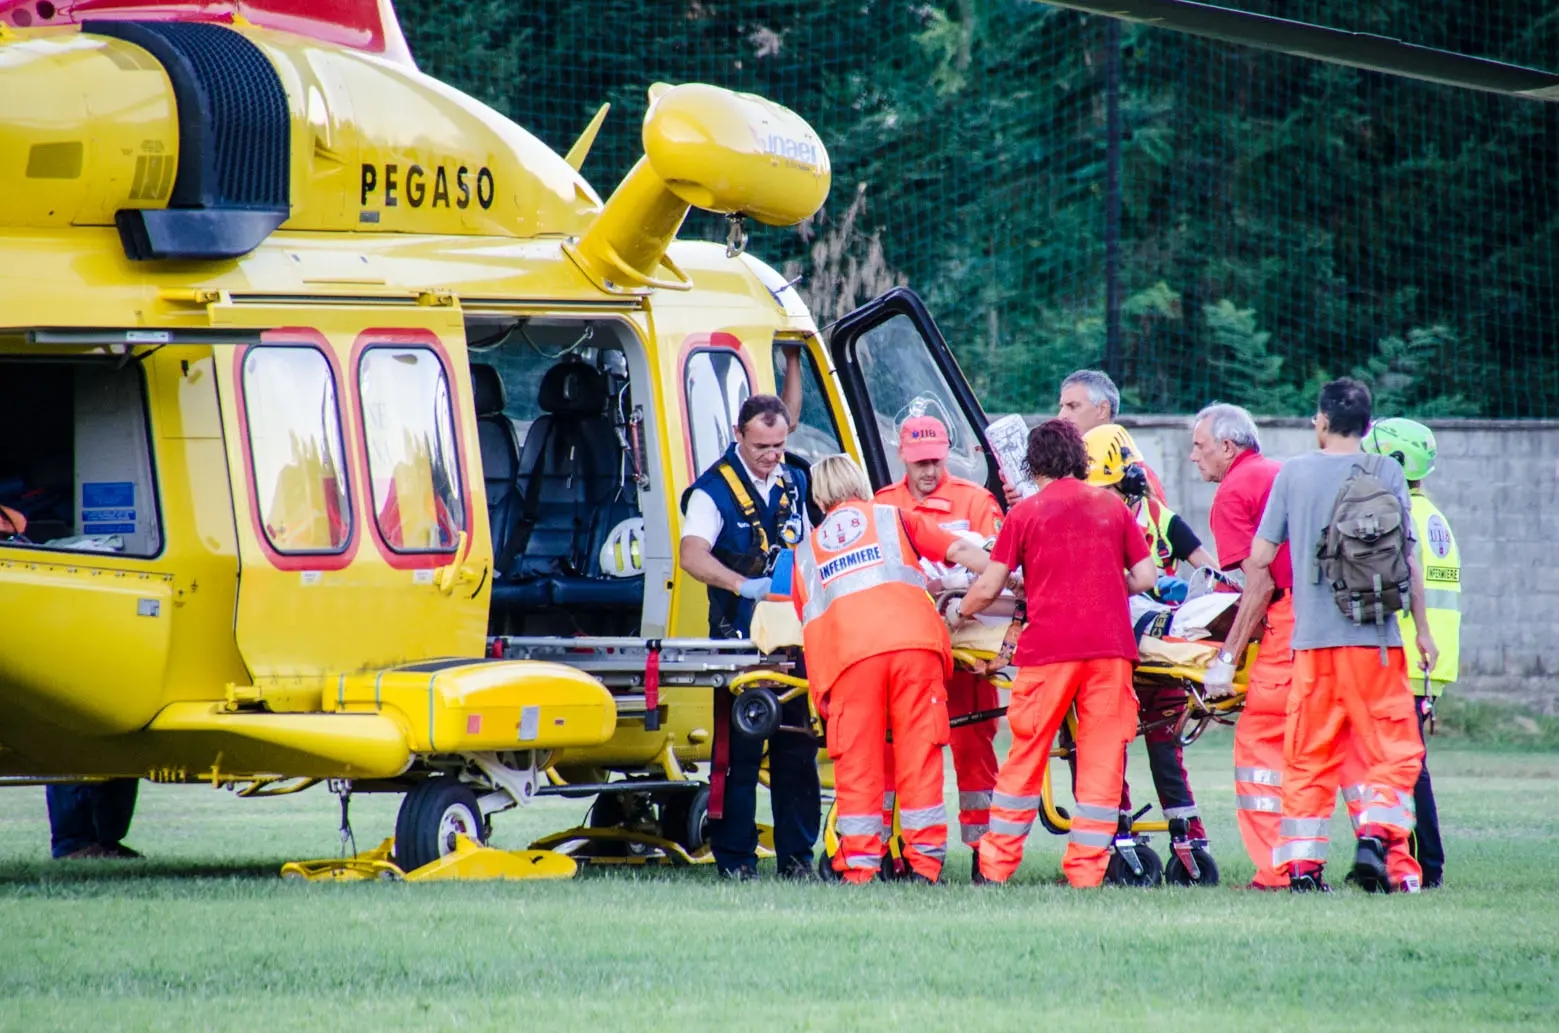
[[1298, 510]]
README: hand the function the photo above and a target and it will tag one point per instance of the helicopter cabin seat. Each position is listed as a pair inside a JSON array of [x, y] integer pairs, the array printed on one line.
[[570, 493], [499, 448]]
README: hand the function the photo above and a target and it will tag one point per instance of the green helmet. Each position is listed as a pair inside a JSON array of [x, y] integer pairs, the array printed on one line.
[[1407, 441]]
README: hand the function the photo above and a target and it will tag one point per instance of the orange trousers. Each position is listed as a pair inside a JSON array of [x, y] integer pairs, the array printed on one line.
[[903, 691], [1345, 699], [1258, 743], [1106, 722], [974, 756]]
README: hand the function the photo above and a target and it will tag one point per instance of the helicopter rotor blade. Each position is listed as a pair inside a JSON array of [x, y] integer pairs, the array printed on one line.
[[1355, 49]]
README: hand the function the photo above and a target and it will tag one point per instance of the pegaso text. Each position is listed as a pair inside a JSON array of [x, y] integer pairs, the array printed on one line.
[[441, 188]]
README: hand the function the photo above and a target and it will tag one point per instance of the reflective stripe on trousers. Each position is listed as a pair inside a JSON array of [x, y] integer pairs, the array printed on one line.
[[858, 825], [1085, 813], [1299, 850], [923, 817], [974, 808], [1086, 837], [1093, 812], [1004, 827], [1303, 839], [1259, 776]]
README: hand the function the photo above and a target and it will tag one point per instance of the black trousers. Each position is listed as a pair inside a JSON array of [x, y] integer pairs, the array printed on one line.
[[794, 791], [1426, 843], [93, 812]]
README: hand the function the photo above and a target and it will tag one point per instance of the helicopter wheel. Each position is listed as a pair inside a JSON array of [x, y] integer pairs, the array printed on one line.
[[431, 816]]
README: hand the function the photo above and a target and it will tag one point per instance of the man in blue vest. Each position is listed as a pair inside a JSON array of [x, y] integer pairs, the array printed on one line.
[[738, 516]]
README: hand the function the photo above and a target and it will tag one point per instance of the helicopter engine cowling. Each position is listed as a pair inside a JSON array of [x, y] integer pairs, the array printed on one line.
[[95, 131], [734, 154]]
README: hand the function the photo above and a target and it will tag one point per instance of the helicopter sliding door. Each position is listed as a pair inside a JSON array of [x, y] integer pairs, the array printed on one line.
[[351, 454], [894, 364]]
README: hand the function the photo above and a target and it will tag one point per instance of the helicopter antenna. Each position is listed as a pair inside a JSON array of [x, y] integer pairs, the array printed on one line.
[[577, 153], [1354, 49]]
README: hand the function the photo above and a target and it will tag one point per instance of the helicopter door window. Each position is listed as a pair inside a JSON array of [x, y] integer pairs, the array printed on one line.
[[413, 455], [300, 476], [815, 434], [902, 381], [717, 384]]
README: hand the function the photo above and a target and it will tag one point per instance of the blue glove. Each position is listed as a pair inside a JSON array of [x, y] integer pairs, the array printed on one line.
[[1171, 589], [754, 588]]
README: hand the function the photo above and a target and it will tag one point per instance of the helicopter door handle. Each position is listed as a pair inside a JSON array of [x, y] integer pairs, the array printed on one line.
[[457, 573]]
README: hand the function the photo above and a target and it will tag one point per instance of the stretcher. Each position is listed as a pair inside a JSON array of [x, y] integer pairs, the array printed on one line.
[[986, 648]]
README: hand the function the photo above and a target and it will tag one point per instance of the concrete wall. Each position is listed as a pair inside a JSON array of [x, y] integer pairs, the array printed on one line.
[[1498, 485]]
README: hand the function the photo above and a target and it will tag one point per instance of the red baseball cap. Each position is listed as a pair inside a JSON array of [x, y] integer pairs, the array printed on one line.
[[922, 438]]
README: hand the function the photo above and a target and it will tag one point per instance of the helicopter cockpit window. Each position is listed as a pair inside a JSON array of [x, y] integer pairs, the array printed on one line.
[[413, 458], [717, 385], [903, 381], [300, 475], [815, 434]]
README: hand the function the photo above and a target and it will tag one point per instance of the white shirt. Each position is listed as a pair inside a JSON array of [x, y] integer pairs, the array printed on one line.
[[703, 518]]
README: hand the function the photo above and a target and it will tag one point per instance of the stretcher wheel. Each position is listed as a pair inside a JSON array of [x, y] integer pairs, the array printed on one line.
[[1176, 874], [684, 819], [1119, 873], [825, 867], [756, 713], [431, 816]]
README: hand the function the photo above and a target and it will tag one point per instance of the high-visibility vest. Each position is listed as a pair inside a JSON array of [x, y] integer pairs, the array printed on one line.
[[861, 593], [1154, 517], [1442, 566]]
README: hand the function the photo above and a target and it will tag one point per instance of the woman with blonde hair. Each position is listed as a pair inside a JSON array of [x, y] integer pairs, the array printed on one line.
[[878, 656]]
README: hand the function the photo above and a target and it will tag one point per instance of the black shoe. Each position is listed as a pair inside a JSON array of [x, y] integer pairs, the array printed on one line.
[[917, 878], [741, 873], [1308, 881], [121, 852], [1433, 880], [798, 869], [977, 877], [1369, 866]]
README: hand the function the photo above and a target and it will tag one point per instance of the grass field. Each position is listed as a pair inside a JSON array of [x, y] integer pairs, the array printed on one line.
[[204, 935]]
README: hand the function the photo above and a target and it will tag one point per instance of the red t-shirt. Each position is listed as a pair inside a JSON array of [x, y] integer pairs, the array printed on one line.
[[1074, 543], [1237, 508]]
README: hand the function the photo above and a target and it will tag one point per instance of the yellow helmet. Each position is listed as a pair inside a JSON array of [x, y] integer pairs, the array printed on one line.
[[1110, 452]]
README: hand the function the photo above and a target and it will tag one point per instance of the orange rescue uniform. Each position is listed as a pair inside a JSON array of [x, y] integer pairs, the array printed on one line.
[[878, 656], [1344, 694], [1258, 737], [959, 505], [1072, 542]]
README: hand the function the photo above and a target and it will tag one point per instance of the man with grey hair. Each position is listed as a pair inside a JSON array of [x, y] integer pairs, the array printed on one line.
[[1089, 399], [1226, 449]]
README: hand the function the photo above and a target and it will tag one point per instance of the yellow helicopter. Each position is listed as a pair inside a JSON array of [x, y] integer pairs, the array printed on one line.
[[333, 395]]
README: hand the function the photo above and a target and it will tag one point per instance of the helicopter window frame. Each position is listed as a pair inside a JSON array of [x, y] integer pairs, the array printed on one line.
[[149, 455], [716, 343], [338, 557], [402, 557], [811, 373]]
